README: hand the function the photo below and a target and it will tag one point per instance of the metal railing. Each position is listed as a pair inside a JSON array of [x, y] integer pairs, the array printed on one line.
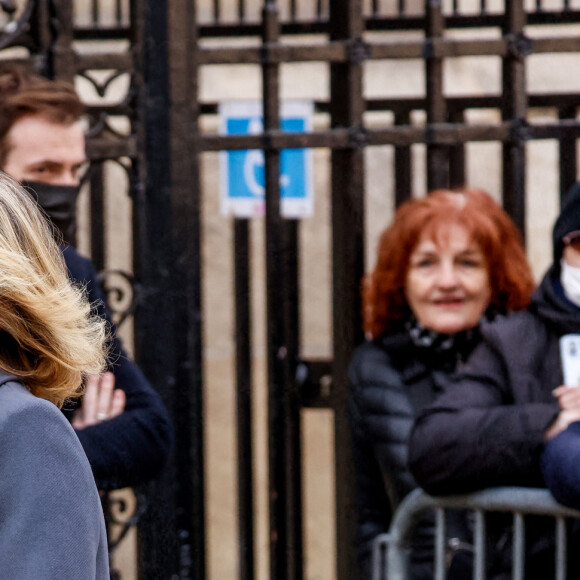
[[391, 551]]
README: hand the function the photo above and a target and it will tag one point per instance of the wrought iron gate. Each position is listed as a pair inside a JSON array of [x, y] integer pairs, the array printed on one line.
[[158, 49]]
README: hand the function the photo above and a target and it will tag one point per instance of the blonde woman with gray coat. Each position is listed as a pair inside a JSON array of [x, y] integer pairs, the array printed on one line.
[[51, 520]]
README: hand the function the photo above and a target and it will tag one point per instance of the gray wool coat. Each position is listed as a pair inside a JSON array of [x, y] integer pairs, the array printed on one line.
[[51, 520]]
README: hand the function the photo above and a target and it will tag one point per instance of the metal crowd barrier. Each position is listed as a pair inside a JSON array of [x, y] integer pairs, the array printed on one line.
[[391, 550]]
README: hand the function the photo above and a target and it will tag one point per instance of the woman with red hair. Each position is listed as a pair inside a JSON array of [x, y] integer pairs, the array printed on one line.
[[447, 260]]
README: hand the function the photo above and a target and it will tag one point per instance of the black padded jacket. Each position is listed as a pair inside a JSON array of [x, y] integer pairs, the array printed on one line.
[[392, 379]]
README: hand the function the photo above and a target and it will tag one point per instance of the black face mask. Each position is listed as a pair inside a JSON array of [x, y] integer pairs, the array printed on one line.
[[59, 204]]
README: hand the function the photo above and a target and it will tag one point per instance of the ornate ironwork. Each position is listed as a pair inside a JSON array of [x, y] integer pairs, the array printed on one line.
[[9, 7], [103, 86], [17, 22], [101, 127], [119, 287], [122, 510]]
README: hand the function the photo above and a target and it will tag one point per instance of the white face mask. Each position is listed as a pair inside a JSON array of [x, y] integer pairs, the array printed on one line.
[[570, 279]]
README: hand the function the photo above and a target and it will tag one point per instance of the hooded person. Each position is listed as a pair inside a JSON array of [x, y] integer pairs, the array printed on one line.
[[507, 413], [561, 457]]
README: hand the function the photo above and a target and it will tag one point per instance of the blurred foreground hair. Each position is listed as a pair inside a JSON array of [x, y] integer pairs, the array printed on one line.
[[48, 336], [385, 307]]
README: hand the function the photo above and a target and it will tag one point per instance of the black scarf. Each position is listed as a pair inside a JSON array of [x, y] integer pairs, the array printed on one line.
[[457, 345]]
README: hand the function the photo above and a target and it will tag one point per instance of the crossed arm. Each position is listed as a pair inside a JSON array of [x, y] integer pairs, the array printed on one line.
[[478, 435]]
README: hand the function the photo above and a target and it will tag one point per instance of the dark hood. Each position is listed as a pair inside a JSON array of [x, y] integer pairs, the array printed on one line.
[[552, 306], [568, 221]]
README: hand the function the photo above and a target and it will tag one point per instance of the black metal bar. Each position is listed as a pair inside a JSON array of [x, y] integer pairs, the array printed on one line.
[[403, 165], [320, 26], [216, 10], [280, 559], [97, 217], [347, 171], [244, 398], [377, 23], [294, 423], [171, 279], [437, 155], [443, 134], [95, 12], [432, 49], [61, 57], [567, 159], [159, 544], [40, 39], [457, 156], [119, 12], [514, 109], [187, 266], [405, 105], [122, 32]]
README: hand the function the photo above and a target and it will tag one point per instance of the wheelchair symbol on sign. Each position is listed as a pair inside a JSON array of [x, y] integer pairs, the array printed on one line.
[[242, 172], [254, 164]]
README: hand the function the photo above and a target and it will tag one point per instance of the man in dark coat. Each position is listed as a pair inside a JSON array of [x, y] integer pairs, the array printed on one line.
[[490, 426], [122, 423]]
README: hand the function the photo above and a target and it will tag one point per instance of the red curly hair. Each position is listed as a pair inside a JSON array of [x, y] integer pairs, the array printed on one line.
[[385, 307]]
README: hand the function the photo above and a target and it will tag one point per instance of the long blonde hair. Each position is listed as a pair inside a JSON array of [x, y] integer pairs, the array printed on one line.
[[48, 336]]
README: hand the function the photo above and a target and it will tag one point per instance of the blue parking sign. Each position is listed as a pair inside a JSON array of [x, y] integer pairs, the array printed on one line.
[[242, 172]]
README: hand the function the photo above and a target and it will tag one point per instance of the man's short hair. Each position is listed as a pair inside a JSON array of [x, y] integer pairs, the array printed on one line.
[[23, 93]]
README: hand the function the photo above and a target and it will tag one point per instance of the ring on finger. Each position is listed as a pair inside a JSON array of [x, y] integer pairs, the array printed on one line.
[[102, 416]]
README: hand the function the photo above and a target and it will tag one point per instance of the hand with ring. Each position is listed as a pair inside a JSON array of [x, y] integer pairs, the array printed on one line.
[[101, 401]]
